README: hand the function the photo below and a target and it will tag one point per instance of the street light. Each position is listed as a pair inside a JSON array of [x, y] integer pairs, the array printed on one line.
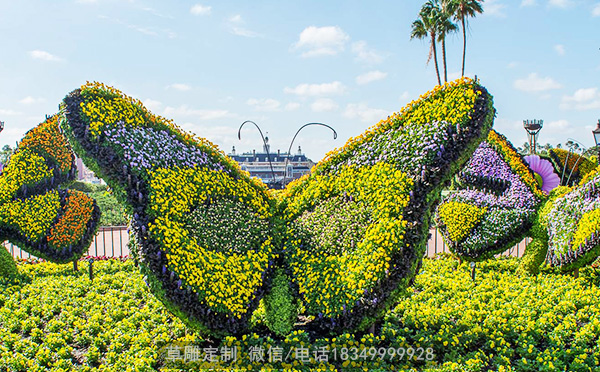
[[596, 133], [1, 126], [533, 127]]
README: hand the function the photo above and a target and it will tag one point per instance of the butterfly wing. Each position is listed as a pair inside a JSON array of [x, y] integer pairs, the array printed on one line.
[[495, 205], [574, 225], [35, 213], [358, 225], [203, 227]]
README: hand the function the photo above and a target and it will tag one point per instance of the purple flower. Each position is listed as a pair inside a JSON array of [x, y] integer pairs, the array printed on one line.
[[544, 169]]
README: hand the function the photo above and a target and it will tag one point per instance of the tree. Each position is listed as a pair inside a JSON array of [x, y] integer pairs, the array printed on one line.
[[445, 27], [461, 10], [5, 154], [426, 26]]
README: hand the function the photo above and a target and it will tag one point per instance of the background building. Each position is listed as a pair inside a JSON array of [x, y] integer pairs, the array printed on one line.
[[286, 167]]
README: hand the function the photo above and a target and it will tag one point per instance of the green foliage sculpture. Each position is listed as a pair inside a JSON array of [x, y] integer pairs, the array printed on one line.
[[345, 241], [504, 197], [36, 213]]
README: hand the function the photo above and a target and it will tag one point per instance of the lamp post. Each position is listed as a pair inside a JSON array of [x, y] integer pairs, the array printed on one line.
[[533, 128], [596, 133]]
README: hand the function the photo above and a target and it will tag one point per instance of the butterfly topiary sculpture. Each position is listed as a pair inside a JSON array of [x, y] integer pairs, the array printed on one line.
[[342, 243], [503, 197]]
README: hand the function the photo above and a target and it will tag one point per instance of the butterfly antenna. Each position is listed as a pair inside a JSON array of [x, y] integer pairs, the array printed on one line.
[[264, 142], [292, 143]]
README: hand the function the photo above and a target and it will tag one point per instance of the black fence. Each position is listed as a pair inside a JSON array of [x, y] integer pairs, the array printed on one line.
[[112, 241]]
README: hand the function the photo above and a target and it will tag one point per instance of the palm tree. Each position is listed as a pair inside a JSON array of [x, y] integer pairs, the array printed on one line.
[[461, 10], [426, 26], [445, 26]]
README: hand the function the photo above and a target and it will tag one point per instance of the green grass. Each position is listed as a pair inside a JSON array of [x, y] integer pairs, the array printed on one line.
[[54, 319]]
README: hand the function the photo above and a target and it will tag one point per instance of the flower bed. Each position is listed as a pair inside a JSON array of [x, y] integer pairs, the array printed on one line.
[[54, 319]]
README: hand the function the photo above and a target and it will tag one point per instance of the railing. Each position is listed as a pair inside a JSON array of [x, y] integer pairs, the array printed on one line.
[[112, 241]]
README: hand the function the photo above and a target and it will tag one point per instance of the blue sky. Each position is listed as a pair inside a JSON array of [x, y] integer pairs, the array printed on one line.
[[211, 65]]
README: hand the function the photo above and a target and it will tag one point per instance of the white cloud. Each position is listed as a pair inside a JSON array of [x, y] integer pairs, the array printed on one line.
[[324, 104], [44, 56], [365, 54], [528, 3], [560, 3], [180, 87], [494, 8], [320, 41], [333, 88], [535, 83], [365, 113], [560, 49], [292, 106], [512, 64], [29, 100], [370, 77], [265, 104], [236, 26], [184, 110], [596, 10], [152, 105], [582, 99], [199, 9]]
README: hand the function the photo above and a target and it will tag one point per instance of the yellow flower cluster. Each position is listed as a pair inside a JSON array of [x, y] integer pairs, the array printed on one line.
[[460, 218], [224, 281], [450, 102], [515, 161], [24, 168], [102, 112], [33, 216], [332, 283], [588, 224]]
